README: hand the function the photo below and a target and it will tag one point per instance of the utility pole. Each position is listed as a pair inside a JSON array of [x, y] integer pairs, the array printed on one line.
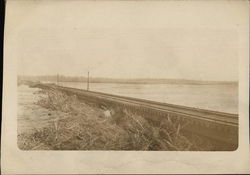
[[88, 82], [57, 79]]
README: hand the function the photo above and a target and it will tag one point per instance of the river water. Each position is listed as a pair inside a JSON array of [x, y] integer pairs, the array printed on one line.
[[222, 98]]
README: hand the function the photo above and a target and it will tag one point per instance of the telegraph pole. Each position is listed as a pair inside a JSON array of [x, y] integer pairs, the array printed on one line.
[[57, 79], [88, 82]]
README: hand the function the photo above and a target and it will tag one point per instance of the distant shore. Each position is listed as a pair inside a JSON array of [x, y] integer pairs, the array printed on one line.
[[61, 78]]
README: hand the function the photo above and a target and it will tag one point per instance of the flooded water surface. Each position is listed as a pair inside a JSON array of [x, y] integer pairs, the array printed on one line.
[[222, 98]]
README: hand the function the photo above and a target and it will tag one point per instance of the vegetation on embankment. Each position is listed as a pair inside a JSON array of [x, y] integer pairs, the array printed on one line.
[[81, 126]]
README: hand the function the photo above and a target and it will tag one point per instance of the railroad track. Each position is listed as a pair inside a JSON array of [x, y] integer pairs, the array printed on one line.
[[218, 117], [219, 126]]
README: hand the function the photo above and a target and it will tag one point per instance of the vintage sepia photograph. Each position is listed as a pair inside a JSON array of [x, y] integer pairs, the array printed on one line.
[[131, 77]]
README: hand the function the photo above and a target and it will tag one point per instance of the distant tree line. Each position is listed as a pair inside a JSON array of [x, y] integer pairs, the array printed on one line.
[[62, 78], [54, 78]]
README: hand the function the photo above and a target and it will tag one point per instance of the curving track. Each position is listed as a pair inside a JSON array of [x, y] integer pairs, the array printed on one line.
[[214, 116]]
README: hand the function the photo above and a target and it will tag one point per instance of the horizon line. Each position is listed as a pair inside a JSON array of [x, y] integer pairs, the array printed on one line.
[[144, 78]]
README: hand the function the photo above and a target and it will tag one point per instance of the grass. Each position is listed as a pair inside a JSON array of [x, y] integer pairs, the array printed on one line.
[[80, 126]]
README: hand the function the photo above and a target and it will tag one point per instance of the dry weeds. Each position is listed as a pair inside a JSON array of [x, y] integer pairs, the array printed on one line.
[[79, 126]]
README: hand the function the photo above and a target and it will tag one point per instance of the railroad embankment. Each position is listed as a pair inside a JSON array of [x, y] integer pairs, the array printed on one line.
[[64, 122]]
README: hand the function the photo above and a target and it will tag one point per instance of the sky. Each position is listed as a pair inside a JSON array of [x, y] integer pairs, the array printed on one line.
[[126, 39]]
